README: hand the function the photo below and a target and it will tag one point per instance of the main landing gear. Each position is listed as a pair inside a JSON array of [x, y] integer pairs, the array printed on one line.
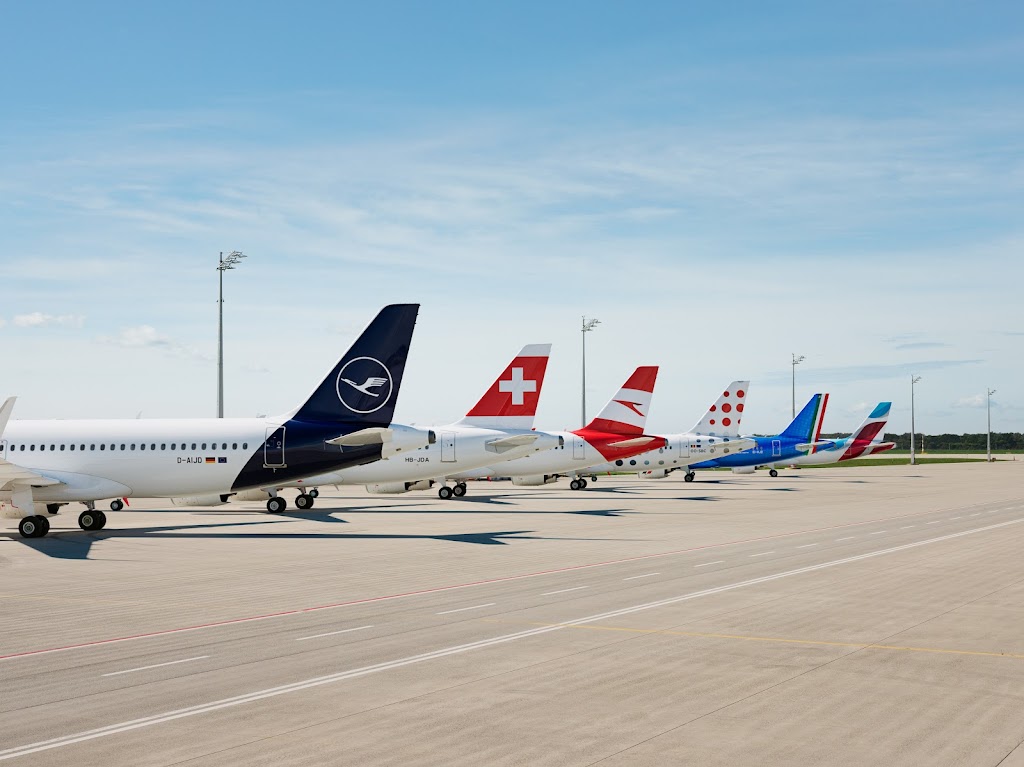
[[458, 490], [277, 505], [773, 473], [689, 476], [305, 501], [34, 527], [90, 519], [578, 484]]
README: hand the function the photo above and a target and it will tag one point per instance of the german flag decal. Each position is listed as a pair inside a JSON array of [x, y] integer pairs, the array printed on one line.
[[211, 460]]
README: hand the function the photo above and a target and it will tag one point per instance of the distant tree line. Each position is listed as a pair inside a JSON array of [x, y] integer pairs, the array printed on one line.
[[967, 443]]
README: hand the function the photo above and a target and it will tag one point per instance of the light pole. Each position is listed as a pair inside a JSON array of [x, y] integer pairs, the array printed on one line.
[[913, 380], [585, 328], [988, 407], [233, 258], [796, 361]]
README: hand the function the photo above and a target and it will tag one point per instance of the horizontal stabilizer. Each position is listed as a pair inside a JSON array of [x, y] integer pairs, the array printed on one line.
[[395, 438], [505, 444], [825, 444], [634, 442], [372, 436]]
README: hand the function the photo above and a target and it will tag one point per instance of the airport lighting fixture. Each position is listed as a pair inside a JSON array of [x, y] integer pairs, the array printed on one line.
[[229, 262], [988, 407], [797, 359], [913, 380], [585, 328]]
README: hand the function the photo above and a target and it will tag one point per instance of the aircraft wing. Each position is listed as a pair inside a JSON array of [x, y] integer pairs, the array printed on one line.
[[504, 444], [825, 444], [13, 476]]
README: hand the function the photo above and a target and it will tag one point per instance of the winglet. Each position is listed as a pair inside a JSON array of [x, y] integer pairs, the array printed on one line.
[[511, 401], [5, 413]]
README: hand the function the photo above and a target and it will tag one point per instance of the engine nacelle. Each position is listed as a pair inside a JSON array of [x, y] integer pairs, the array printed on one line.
[[394, 488], [252, 495], [743, 469], [534, 480], [201, 500], [654, 474]]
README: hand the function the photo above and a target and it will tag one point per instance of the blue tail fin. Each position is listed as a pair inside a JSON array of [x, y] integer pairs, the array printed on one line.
[[804, 426], [362, 389]]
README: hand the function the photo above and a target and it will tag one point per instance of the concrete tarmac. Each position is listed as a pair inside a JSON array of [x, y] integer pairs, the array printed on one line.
[[831, 616]]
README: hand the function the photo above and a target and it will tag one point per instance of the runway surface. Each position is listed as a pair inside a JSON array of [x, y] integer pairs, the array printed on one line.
[[831, 616]]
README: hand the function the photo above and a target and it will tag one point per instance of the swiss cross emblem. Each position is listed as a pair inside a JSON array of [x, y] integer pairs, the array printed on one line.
[[517, 386]]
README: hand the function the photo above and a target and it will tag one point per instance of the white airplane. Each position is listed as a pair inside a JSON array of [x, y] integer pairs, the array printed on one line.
[[498, 428], [616, 433], [713, 436], [864, 441], [47, 464]]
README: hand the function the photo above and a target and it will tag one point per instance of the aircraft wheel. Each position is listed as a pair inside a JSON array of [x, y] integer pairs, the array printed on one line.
[[91, 520], [583, 483], [102, 520], [52, 508], [116, 505], [277, 504], [33, 527], [314, 493], [575, 485], [459, 490], [445, 493], [773, 473], [689, 476], [304, 501]]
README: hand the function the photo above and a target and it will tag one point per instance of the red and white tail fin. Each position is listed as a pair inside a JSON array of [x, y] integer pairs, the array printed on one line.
[[723, 418], [626, 412], [511, 402]]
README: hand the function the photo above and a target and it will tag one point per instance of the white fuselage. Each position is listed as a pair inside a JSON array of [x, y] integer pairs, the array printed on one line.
[[159, 458], [459, 448], [683, 450]]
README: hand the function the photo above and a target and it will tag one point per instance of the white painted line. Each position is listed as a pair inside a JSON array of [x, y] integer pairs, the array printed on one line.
[[907, 527], [332, 633], [563, 591], [952, 518], [340, 676], [634, 577], [974, 515], [156, 665], [847, 538], [807, 545], [763, 554], [933, 522], [463, 609], [706, 564], [878, 532]]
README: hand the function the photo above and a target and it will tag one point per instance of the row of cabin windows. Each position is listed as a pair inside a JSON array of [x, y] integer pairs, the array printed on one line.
[[133, 446]]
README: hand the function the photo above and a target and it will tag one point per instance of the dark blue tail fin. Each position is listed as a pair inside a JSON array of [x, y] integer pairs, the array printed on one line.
[[362, 389], [807, 422]]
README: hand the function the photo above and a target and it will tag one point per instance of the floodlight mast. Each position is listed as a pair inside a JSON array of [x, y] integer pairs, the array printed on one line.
[[797, 359], [233, 258], [988, 407], [586, 327], [913, 456]]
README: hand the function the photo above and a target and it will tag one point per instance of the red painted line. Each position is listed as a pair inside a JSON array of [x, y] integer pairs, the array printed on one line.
[[439, 589]]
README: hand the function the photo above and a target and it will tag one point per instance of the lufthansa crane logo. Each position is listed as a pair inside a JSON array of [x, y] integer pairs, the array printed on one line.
[[364, 385]]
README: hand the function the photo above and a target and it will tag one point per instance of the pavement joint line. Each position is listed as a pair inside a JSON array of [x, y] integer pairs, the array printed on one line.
[[847, 538], [952, 518], [157, 665], [439, 589], [706, 564], [878, 532], [763, 554], [257, 695], [907, 527], [563, 591], [933, 522], [807, 545], [333, 633], [786, 640], [463, 609], [634, 577]]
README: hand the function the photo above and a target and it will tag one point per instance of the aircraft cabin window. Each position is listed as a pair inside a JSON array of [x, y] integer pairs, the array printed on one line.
[[224, 446], [142, 446], [234, 446], [152, 446], [62, 447], [103, 447], [245, 446], [204, 446], [133, 446], [82, 447], [72, 447], [174, 446], [92, 447], [193, 445], [32, 447], [122, 445], [163, 445]]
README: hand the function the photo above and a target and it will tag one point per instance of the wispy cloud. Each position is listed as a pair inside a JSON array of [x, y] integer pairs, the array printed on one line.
[[922, 345], [41, 320], [147, 337], [854, 373]]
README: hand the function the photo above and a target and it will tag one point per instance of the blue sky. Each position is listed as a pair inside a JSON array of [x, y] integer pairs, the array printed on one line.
[[722, 184]]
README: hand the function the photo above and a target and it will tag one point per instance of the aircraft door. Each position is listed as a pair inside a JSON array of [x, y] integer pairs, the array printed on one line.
[[684, 449], [578, 449], [776, 448], [448, 447], [273, 448]]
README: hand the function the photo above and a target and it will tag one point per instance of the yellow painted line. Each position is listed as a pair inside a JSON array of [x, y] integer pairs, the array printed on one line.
[[781, 640]]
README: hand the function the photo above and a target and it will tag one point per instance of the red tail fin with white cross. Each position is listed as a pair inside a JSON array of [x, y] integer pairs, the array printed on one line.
[[511, 402]]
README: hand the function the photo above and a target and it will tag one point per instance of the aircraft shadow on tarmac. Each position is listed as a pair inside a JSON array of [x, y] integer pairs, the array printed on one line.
[[77, 544]]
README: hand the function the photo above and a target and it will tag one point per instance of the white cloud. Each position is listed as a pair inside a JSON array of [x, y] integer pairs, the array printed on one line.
[[147, 337], [974, 402], [40, 320]]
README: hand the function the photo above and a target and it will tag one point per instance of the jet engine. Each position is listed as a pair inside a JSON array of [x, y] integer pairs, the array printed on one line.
[[252, 495], [534, 480], [743, 469], [393, 488], [654, 474], [201, 500]]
